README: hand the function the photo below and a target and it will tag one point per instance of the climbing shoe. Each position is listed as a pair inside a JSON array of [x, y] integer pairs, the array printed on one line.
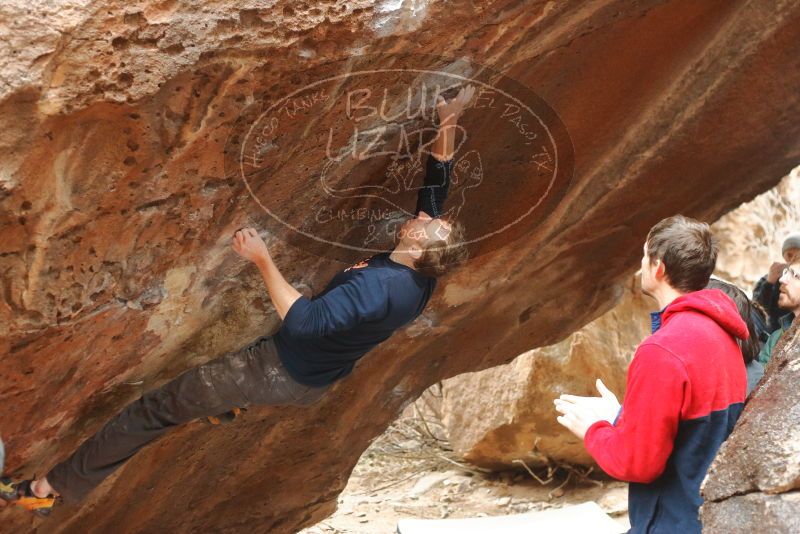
[[20, 494], [224, 418]]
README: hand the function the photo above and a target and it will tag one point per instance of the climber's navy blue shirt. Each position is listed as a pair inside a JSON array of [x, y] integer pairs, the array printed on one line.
[[322, 338]]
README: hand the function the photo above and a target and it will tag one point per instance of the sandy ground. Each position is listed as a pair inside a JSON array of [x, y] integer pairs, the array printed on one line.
[[407, 473]]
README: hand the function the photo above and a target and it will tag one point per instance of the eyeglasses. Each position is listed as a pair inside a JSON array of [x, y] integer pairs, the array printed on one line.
[[790, 272]]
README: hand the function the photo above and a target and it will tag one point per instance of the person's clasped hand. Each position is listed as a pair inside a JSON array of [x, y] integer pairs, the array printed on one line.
[[579, 413]]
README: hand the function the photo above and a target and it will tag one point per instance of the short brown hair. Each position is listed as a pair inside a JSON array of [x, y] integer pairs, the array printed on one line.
[[688, 250], [441, 255]]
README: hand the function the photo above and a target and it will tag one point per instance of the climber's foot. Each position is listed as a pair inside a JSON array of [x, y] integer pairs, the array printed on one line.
[[224, 418], [20, 494]]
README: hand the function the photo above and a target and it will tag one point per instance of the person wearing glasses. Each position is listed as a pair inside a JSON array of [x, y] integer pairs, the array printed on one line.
[[319, 342], [789, 302], [767, 289]]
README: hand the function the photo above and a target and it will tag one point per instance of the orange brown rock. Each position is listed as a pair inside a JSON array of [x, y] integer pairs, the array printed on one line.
[[115, 215]]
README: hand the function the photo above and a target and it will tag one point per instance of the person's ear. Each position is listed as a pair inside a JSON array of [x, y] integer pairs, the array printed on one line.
[[661, 271]]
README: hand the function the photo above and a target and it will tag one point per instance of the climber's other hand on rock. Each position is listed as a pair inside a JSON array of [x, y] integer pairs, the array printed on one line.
[[249, 245]]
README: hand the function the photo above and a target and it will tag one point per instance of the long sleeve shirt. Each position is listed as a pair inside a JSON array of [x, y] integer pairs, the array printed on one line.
[[433, 193], [322, 338]]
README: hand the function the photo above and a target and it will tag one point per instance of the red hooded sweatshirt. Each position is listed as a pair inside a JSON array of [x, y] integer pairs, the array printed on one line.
[[686, 388]]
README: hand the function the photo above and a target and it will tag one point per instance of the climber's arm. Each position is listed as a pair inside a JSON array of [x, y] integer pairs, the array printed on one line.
[[249, 245], [439, 166], [444, 145]]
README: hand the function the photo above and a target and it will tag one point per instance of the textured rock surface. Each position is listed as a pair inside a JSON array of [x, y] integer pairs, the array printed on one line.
[[115, 213], [498, 416], [503, 414], [761, 459]]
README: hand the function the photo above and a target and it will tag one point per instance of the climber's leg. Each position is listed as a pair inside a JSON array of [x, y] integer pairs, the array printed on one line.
[[252, 375]]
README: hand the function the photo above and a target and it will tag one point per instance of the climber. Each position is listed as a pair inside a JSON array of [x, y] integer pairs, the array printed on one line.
[[767, 289], [318, 343], [788, 303], [685, 389]]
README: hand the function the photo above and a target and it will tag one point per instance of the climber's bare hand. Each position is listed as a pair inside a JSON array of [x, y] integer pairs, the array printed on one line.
[[449, 112], [249, 245]]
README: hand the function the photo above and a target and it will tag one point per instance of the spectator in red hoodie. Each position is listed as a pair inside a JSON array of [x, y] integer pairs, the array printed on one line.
[[685, 389]]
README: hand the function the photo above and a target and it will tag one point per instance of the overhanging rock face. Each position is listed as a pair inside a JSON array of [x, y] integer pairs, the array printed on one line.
[[118, 199], [754, 483]]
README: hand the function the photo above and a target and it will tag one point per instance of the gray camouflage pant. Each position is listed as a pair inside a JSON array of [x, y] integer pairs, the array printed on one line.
[[250, 376]]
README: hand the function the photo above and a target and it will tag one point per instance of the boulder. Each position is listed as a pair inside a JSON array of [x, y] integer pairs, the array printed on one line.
[[123, 129], [758, 512], [502, 416], [754, 482]]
